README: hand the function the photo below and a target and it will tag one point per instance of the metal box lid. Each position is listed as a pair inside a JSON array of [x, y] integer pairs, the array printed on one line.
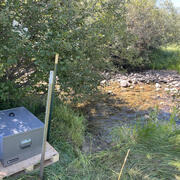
[[18, 120]]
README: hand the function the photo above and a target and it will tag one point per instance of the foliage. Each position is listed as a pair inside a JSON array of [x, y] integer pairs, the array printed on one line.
[[68, 124], [33, 31], [148, 27], [88, 35], [172, 22], [166, 58]]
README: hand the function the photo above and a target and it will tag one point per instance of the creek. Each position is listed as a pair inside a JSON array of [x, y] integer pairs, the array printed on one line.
[[127, 106]]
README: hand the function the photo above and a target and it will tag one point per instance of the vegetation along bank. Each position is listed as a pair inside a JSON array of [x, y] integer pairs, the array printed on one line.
[[117, 83]]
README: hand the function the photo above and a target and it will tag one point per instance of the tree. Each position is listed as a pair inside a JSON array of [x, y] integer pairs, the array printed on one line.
[[33, 31], [148, 28]]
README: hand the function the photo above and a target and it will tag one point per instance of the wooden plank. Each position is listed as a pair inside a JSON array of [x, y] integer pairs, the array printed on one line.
[[48, 108], [51, 156]]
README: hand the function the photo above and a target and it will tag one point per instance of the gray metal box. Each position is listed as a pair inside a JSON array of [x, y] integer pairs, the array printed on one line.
[[21, 135]]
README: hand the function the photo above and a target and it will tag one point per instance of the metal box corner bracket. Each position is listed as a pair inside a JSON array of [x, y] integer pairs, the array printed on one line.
[[21, 135]]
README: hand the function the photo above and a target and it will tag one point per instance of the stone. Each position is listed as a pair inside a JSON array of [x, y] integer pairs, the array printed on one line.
[[131, 87], [157, 85], [124, 83], [110, 92], [166, 89], [177, 85], [174, 90], [134, 81], [103, 82], [159, 77]]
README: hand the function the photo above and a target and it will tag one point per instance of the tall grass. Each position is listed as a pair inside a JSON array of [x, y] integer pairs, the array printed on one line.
[[166, 58], [154, 155], [154, 152]]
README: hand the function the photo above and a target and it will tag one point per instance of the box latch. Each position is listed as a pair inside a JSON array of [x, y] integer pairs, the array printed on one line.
[[25, 143]]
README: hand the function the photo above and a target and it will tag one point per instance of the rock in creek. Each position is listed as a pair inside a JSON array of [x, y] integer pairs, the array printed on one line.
[[170, 78], [124, 83]]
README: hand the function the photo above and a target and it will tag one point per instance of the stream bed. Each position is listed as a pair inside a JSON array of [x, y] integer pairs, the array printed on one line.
[[127, 106]]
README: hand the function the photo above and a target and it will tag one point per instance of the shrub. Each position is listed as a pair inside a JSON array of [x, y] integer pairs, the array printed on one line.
[[33, 31], [148, 27]]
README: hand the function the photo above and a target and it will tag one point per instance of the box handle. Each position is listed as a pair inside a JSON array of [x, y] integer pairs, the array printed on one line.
[[25, 143], [12, 160]]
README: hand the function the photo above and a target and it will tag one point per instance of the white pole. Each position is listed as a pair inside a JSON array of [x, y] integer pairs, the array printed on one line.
[[48, 104]]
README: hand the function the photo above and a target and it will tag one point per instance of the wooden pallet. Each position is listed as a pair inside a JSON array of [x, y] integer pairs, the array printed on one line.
[[51, 156]]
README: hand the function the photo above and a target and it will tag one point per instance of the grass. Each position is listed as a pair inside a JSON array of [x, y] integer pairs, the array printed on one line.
[[166, 58], [68, 123], [66, 135], [154, 155]]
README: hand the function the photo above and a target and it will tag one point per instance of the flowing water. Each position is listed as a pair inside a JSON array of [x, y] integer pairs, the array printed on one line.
[[125, 107]]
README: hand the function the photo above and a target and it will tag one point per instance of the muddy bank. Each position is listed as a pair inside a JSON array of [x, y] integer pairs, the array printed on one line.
[[126, 105]]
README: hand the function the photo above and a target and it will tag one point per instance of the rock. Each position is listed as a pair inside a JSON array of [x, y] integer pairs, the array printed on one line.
[[134, 81], [124, 83], [103, 82], [174, 82], [177, 85], [110, 92], [174, 90], [131, 87], [166, 89], [146, 116], [157, 85], [142, 80], [171, 78]]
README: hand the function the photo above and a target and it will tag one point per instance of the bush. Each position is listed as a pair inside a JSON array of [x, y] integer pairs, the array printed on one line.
[[88, 35], [33, 31], [148, 27]]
